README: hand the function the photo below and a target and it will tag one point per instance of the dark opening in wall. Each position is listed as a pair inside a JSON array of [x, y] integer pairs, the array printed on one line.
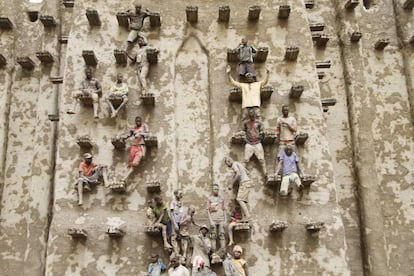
[[33, 15], [367, 4]]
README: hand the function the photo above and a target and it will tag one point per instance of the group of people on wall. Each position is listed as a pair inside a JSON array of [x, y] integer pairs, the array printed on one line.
[[209, 246]]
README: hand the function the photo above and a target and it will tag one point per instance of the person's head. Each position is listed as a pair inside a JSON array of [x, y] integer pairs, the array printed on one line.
[[228, 161], [285, 110], [178, 194], [88, 73], [87, 157], [138, 121], [251, 114], [174, 260], [138, 7], [237, 251], [119, 78], [158, 200], [288, 150], [150, 203], [249, 77], [244, 41], [203, 229], [216, 189], [142, 41], [154, 257]]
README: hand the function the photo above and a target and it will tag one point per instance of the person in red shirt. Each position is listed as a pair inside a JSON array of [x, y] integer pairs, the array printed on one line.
[[89, 174], [254, 131], [137, 150]]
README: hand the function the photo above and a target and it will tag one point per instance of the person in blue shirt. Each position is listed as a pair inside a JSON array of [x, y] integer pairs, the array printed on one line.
[[156, 267], [291, 172]]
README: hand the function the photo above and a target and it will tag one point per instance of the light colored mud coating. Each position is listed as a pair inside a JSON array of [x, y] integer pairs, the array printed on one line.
[[361, 150]]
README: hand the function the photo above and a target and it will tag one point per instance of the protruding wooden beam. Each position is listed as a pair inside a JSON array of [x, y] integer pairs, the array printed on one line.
[[356, 36], [351, 4], [77, 233], [254, 13], [381, 43], [148, 99], [322, 41], [328, 102], [192, 14], [26, 62], [84, 142], [273, 180], [155, 19], [115, 232], [296, 91], [89, 57], [292, 53], [323, 64], [153, 187], [301, 138], [45, 57], [232, 55], [224, 13], [314, 227], [48, 21], [284, 12], [118, 187], [120, 57], [53, 117], [315, 27], [93, 17], [5, 23], [261, 54], [321, 75], [309, 4], [56, 79], [3, 61], [122, 18], [152, 231], [278, 226], [152, 55], [69, 3], [63, 39]]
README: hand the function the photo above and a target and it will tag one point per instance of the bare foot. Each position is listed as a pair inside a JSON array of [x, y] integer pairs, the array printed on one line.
[[230, 243]]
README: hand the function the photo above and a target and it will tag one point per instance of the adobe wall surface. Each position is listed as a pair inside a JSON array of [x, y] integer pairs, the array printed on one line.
[[360, 150]]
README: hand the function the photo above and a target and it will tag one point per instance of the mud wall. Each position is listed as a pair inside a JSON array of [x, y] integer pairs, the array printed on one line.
[[360, 150]]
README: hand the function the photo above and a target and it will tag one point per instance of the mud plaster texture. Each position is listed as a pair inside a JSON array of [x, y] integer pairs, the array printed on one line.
[[361, 150]]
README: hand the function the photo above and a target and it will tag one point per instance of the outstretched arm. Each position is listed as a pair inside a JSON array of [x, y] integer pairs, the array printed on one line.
[[235, 83], [266, 79]]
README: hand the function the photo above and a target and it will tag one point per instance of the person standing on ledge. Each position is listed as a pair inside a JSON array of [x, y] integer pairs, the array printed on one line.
[[241, 175], [286, 128], [89, 87], [89, 174], [254, 132], [119, 89], [136, 21], [246, 55], [250, 91], [291, 172], [137, 150]]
